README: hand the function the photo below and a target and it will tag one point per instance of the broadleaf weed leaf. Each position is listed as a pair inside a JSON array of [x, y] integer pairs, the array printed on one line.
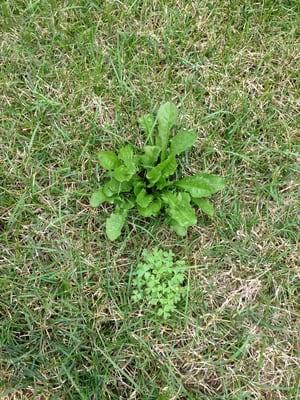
[[201, 185], [144, 180], [98, 198], [114, 225], [205, 205], [166, 116], [108, 159], [182, 142]]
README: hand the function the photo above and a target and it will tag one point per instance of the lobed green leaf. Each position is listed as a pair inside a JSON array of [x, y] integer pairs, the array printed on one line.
[[97, 198], [152, 209], [162, 170], [205, 205], [150, 156], [114, 225], [123, 173], [177, 228], [166, 116], [180, 209], [126, 154], [108, 159], [182, 142], [201, 185], [143, 199], [113, 187]]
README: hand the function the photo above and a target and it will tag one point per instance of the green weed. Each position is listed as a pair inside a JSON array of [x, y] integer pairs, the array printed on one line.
[[158, 282], [145, 180]]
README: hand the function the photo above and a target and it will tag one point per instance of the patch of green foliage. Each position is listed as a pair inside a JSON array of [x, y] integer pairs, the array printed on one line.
[[73, 77], [159, 282], [144, 180]]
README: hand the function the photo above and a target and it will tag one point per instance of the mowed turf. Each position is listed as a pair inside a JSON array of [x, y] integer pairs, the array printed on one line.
[[75, 77]]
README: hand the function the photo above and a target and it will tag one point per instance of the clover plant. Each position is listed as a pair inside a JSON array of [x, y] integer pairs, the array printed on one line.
[[147, 179]]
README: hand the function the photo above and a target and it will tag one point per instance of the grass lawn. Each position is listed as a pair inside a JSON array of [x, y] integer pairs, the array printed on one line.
[[75, 77]]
